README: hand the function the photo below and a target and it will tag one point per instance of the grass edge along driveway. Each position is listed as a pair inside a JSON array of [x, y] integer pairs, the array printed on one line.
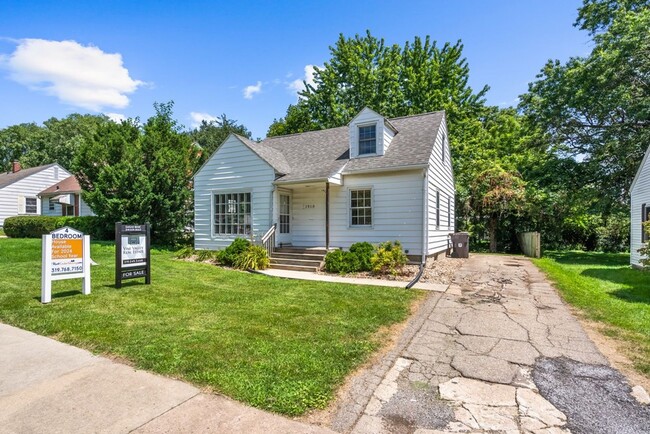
[[606, 289], [276, 344]]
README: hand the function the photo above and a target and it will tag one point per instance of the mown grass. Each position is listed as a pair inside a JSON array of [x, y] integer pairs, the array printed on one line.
[[280, 345], [606, 289]]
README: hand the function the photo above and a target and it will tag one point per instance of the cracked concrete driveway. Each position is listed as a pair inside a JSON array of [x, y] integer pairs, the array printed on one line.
[[497, 352]]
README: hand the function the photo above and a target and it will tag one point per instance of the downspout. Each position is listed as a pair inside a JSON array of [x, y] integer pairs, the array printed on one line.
[[425, 229]]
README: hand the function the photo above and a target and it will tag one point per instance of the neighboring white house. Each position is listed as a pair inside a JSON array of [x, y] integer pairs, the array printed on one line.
[[20, 191], [639, 209], [374, 180], [64, 199]]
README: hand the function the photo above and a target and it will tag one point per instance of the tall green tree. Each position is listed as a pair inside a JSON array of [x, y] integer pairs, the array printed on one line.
[[596, 109], [137, 174], [210, 135]]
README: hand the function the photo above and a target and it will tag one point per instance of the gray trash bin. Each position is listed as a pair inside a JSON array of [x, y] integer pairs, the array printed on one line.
[[460, 245]]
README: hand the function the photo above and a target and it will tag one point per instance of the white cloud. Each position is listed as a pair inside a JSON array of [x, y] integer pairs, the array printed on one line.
[[82, 76], [116, 117], [251, 90], [197, 117], [299, 85]]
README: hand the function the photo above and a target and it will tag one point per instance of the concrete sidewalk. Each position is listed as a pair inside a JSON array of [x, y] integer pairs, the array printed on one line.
[[50, 387], [304, 275]]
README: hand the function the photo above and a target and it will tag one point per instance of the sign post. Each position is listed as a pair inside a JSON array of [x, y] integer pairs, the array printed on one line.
[[66, 255], [132, 246]]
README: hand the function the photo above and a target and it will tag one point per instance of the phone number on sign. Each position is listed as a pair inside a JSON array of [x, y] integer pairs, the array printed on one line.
[[68, 269]]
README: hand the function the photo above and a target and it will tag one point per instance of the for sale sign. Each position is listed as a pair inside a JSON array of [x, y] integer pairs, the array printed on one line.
[[132, 253], [66, 255]]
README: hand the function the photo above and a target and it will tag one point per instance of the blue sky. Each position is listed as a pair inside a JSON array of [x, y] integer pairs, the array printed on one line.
[[121, 56]]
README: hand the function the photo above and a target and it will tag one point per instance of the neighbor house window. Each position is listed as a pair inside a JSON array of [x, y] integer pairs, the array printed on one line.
[[50, 204], [368, 140], [31, 206], [361, 207], [232, 214]]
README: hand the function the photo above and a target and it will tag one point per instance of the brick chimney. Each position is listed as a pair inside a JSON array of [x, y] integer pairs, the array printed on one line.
[[15, 166]]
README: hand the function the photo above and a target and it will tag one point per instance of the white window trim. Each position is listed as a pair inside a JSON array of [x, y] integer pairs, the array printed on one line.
[[372, 207], [213, 234], [377, 133]]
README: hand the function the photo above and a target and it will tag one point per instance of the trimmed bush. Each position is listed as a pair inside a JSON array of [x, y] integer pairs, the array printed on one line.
[[228, 256], [364, 252], [390, 258], [253, 258], [36, 226], [339, 261]]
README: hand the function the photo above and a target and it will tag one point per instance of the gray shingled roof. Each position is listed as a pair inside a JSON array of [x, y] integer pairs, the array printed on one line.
[[320, 154], [8, 178]]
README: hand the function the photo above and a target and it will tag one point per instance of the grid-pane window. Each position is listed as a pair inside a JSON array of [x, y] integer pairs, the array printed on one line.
[[368, 140], [50, 204], [285, 214], [31, 206], [361, 207], [232, 214]]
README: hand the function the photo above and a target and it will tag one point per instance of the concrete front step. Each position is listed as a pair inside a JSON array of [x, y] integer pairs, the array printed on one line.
[[305, 256], [305, 262], [302, 250], [294, 267]]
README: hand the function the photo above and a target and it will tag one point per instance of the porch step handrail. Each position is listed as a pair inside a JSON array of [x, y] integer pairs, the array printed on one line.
[[268, 239]]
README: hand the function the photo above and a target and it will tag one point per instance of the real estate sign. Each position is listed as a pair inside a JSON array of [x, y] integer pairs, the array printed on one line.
[[66, 255], [132, 246]]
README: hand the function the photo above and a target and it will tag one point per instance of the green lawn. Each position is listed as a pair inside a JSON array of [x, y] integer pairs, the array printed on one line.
[[281, 345], [606, 289]]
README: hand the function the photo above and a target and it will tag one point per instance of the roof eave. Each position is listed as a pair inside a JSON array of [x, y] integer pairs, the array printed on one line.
[[385, 169]]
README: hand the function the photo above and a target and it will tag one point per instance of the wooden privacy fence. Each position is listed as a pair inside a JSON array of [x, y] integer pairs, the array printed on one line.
[[530, 243]]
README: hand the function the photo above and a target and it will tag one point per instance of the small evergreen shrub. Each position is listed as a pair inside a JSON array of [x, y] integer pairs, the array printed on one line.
[[342, 262], [253, 258], [363, 252], [228, 256], [389, 258]]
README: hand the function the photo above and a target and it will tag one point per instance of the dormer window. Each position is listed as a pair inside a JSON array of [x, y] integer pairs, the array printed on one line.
[[368, 139]]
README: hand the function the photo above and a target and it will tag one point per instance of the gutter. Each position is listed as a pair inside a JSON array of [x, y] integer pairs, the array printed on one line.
[[425, 230]]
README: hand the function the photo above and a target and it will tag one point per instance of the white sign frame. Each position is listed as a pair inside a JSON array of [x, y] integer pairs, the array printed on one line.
[[47, 274]]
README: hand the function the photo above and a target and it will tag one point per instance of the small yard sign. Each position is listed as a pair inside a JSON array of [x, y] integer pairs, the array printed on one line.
[[66, 255], [132, 245]]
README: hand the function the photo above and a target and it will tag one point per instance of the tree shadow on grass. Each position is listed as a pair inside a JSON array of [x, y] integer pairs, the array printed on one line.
[[589, 258], [635, 284]]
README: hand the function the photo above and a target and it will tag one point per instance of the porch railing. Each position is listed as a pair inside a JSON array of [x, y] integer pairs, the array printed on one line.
[[268, 239]]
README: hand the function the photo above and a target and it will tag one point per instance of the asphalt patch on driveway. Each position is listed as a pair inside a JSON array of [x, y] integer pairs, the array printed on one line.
[[595, 398], [415, 408]]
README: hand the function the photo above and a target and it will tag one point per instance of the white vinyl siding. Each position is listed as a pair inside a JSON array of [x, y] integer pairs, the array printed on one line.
[[639, 195], [308, 219], [396, 210], [441, 219], [232, 168], [12, 196]]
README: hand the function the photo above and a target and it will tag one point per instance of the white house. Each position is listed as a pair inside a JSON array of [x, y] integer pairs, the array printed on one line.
[[639, 209], [20, 191], [374, 180]]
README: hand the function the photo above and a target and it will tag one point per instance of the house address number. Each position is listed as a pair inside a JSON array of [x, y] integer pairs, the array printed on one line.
[[308, 206]]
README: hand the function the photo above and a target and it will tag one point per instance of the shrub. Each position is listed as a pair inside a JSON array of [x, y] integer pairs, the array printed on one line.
[[207, 255], [36, 226], [253, 258], [390, 258], [185, 252], [614, 236], [645, 248], [339, 261], [228, 256], [363, 252]]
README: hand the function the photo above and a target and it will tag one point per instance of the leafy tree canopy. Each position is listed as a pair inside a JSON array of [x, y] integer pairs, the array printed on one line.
[[210, 135]]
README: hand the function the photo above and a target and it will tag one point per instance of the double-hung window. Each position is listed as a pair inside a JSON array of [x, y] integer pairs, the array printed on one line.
[[232, 214], [361, 207], [31, 205], [368, 139], [645, 216]]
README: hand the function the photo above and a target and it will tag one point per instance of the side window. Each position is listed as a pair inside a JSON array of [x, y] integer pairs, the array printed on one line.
[[437, 209], [444, 140], [360, 207], [31, 205], [645, 216]]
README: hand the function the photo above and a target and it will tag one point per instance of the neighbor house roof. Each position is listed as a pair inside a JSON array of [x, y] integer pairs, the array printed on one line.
[[318, 155], [8, 178], [68, 185]]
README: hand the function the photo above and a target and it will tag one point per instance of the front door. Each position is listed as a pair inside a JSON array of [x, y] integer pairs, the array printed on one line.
[[284, 223]]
